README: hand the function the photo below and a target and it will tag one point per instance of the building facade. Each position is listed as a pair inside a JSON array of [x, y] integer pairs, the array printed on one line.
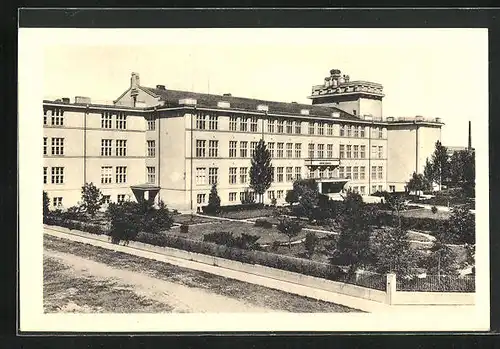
[[179, 143]]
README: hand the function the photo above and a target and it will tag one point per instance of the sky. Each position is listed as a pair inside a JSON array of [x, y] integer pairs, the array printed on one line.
[[429, 72]]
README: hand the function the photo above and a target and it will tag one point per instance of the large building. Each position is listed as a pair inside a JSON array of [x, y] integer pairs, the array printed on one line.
[[173, 145]]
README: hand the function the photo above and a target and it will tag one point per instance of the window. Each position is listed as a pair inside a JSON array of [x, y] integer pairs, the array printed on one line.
[[232, 197], [349, 131], [120, 198], [57, 117], [151, 149], [362, 134], [253, 124], [57, 146], [349, 152], [298, 127], [374, 151], [270, 146], [321, 173], [200, 198], [121, 174], [44, 145], [151, 123], [242, 196], [279, 172], [200, 121], [106, 174], [270, 125], [348, 172], [298, 150], [356, 132], [374, 172], [311, 128], [279, 194], [380, 172], [201, 176], [57, 175], [298, 173], [354, 112], [44, 116], [355, 189], [342, 130], [272, 174], [213, 149], [341, 171], [362, 190], [355, 172], [289, 150], [342, 151], [392, 188], [374, 188], [289, 174], [380, 152], [200, 148], [280, 150], [280, 126], [253, 145], [362, 172], [213, 122], [57, 201], [151, 174], [232, 149], [232, 175], [243, 149], [121, 121], [362, 153], [380, 188], [121, 147], [270, 194], [45, 175], [356, 151], [311, 150], [243, 175], [329, 129], [213, 175], [321, 151], [321, 129], [233, 121], [106, 119], [243, 124], [106, 145], [106, 199], [329, 151], [380, 132], [289, 127]]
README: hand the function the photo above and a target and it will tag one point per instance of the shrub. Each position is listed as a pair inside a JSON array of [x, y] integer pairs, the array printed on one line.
[[213, 206], [311, 243], [245, 241], [220, 238], [290, 228], [263, 223], [273, 202], [46, 210], [434, 209], [92, 199], [237, 208], [184, 228]]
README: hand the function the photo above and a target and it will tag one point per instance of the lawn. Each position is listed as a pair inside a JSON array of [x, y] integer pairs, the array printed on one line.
[[425, 213], [246, 214], [249, 293], [191, 219]]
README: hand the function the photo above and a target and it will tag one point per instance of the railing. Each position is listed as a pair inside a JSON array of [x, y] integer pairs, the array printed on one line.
[[411, 119], [435, 283], [372, 280]]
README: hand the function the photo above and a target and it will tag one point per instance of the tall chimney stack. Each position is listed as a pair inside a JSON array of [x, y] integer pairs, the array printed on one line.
[[469, 146]]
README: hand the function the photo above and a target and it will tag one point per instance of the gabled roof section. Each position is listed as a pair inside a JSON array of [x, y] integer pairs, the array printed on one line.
[[172, 97]]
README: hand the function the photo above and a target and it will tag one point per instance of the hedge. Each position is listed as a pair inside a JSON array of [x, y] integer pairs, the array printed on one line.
[[91, 228]]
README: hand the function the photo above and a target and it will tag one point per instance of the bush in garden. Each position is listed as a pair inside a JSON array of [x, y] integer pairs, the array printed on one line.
[[263, 223], [290, 228], [434, 209], [92, 199], [213, 206], [220, 238], [184, 228], [311, 243]]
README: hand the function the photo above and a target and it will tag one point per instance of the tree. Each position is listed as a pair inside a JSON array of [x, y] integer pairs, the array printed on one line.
[[308, 193], [290, 228], [429, 172], [291, 197], [418, 183], [462, 171], [441, 259], [261, 175], [92, 199], [248, 197], [353, 244], [461, 226], [213, 200], [438, 171], [310, 243], [46, 204]]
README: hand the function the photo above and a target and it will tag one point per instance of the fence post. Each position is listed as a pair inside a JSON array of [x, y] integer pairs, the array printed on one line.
[[390, 288]]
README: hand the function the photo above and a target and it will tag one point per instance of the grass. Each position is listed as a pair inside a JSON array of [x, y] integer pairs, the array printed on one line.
[[65, 292], [253, 294], [261, 212], [425, 213], [191, 219]]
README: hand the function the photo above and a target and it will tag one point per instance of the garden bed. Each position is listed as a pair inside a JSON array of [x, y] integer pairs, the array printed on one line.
[[255, 213], [192, 219]]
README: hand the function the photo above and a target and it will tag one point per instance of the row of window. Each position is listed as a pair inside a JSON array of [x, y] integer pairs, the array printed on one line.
[[359, 151], [56, 119], [120, 120], [120, 175], [56, 146], [57, 202], [207, 122], [241, 175], [107, 174]]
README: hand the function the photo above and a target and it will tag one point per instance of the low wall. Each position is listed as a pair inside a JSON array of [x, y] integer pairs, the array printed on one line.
[[433, 298]]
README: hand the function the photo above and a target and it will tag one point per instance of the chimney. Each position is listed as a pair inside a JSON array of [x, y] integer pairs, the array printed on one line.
[[135, 80], [65, 100], [160, 87], [82, 100], [469, 145], [226, 95]]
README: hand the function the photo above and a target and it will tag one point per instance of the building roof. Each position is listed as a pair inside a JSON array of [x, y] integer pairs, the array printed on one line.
[[172, 97]]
